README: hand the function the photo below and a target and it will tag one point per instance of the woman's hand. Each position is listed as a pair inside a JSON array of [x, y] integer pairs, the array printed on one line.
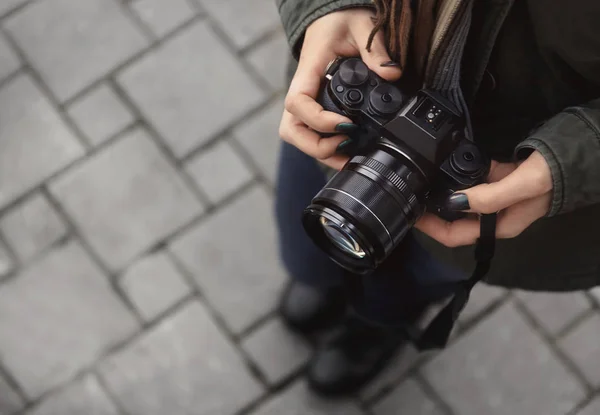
[[342, 33], [521, 193]]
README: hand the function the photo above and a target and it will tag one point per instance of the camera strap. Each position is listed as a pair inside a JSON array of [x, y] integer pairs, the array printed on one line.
[[437, 333], [443, 75]]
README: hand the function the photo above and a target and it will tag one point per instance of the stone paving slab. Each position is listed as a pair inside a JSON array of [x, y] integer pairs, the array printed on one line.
[[29, 121], [183, 366], [297, 400], [73, 43], [32, 226], [232, 255], [139, 269], [184, 88], [501, 367], [85, 396], [126, 198], [58, 317]]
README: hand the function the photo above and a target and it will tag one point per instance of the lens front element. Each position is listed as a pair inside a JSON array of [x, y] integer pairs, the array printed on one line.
[[341, 238]]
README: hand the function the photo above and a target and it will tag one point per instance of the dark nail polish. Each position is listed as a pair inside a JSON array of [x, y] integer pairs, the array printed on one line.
[[390, 64], [346, 128], [344, 144], [458, 201]]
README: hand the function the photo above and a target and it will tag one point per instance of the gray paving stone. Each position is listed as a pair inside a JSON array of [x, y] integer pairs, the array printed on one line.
[[298, 400], [6, 262], [219, 171], [482, 297], [9, 61], [163, 16], [408, 398], [83, 397], [502, 367], [72, 42], [183, 366], [554, 311], [126, 198], [593, 408], [154, 284], [583, 347], [100, 114], [191, 88], [595, 292], [260, 138], [270, 60], [7, 5], [243, 21], [32, 226], [10, 401], [29, 122], [57, 317], [276, 350], [405, 360], [233, 256]]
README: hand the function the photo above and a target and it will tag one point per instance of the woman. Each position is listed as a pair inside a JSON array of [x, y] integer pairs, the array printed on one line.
[[531, 77]]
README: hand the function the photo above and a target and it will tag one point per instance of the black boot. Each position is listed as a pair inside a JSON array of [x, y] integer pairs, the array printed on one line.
[[305, 308], [352, 356]]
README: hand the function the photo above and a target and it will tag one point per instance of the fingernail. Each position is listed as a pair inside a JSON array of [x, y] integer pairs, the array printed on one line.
[[344, 144], [390, 64], [346, 127], [458, 201]]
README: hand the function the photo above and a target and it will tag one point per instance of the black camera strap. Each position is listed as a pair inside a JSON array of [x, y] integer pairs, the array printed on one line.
[[444, 74], [437, 333]]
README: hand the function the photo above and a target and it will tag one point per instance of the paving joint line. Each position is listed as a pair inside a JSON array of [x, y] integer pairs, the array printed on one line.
[[160, 142], [133, 58], [44, 89], [16, 9], [219, 320], [112, 278], [432, 393], [552, 344], [136, 20], [228, 130]]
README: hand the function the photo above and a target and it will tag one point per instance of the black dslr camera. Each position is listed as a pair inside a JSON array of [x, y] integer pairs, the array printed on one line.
[[408, 156]]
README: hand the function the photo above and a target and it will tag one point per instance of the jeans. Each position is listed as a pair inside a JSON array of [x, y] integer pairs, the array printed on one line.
[[409, 278]]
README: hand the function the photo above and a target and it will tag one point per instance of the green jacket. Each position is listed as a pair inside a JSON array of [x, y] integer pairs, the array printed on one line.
[[544, 59]]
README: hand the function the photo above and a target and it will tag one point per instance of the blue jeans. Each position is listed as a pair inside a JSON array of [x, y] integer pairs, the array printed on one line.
[[409, 278]]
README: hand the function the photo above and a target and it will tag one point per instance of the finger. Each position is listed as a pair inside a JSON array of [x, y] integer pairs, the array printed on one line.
[[336, 162], [309, 142], [529, 180], [513, 221], [499, 171], [451, 234], [311, 113], [378, 54], [304, 89]]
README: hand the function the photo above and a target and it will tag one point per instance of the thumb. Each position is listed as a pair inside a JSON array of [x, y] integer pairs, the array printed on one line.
[[378, 56], [520, 184]]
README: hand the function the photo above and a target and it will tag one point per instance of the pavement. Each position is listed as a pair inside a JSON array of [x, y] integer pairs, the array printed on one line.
[[138, 256]]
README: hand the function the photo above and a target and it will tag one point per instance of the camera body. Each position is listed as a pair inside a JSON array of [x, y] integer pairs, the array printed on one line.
[[408, 155]]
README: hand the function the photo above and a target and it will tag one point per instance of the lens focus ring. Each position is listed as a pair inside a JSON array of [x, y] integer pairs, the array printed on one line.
[[391, 176]]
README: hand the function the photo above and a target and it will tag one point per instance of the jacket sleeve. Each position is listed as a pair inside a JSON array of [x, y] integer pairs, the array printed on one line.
[[297, 15], [570, 143]]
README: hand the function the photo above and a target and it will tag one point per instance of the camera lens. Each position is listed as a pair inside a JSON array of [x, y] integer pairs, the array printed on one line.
[[341, 238], [367, 208]]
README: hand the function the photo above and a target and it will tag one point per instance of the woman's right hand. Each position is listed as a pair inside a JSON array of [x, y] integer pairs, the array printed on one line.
[[342, 33]]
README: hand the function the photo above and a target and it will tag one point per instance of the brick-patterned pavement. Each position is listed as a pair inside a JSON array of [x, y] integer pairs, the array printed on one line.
[[138, 146]]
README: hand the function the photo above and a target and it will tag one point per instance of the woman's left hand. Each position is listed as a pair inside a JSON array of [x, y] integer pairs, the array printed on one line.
[[520, 192]]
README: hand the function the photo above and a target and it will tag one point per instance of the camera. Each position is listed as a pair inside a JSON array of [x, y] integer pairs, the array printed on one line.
[[409, 154]]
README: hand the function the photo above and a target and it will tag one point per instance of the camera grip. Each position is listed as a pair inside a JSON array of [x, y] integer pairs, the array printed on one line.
[[327, 102]]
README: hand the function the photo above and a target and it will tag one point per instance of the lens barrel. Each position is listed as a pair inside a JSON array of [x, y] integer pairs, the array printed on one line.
[[369, 206]]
